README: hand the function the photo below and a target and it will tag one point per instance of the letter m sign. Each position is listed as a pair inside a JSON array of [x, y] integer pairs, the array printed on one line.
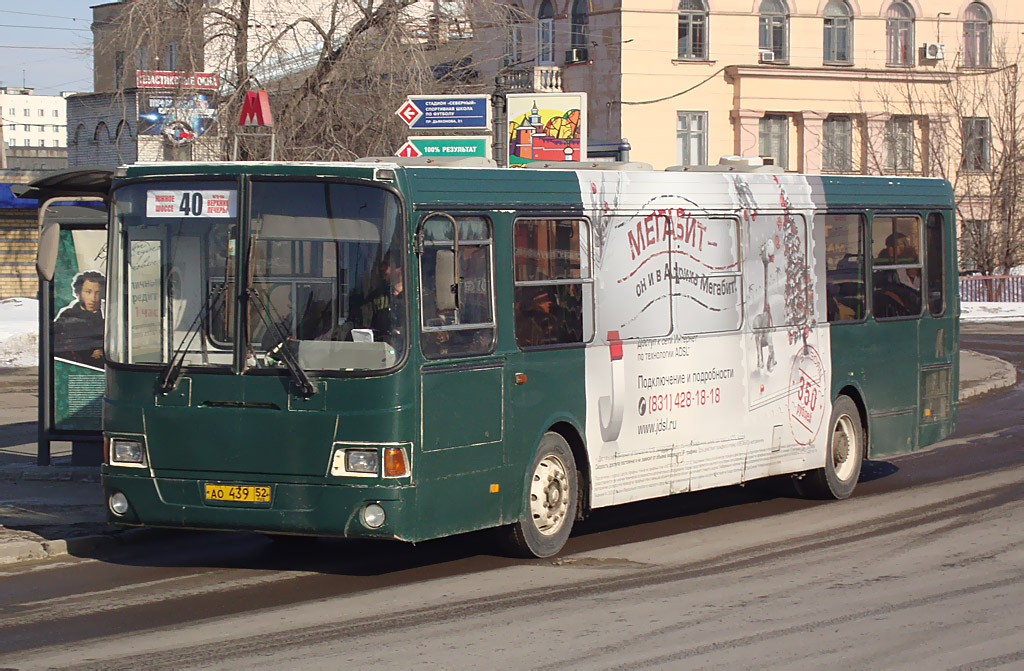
[[256, 110]]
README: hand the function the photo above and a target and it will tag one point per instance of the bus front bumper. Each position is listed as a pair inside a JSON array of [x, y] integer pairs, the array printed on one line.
[[311, 509]]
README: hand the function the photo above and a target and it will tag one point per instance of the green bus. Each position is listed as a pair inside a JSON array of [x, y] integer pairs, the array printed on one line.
[[402, 349]]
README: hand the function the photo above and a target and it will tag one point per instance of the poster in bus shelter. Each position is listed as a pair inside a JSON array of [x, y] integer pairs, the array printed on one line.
[[546, 127], [79, 289]]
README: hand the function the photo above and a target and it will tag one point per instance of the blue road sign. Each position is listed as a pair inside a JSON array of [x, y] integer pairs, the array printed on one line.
[[446, 112]]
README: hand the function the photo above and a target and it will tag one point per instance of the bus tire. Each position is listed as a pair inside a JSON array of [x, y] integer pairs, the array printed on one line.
[[843, 458], [551, 496]]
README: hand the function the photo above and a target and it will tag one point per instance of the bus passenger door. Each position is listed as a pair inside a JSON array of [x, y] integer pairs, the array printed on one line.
[[890, 363], [462, 379]]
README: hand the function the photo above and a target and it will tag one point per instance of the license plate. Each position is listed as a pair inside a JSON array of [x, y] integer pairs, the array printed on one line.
[[238, 493]]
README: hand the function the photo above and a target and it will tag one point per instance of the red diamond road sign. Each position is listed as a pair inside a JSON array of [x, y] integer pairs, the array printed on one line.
[[409, 112], [408, 150]]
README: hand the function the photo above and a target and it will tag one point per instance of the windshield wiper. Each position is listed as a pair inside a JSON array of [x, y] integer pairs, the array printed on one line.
[[172, 371], [306, 386]]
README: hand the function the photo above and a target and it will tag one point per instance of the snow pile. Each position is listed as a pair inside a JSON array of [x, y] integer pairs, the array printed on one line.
[[19, 332], [991, 312]]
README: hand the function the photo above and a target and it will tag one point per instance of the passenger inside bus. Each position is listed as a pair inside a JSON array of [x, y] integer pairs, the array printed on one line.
[[382, 311], [898, 291]]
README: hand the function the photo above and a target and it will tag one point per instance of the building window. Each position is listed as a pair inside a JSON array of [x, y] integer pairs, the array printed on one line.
[[56, 143], [693, 30], [171, 59], [579, 25], [774, 138], [773, 35], [899, 144], [837, 35], [546, 34], [56, 113], [118, 69], [42, 143], [10, 111], [977, 36], [514, 36], [41, 112], [28, 112], [837, 144], [26, 128], [140, 58], [692, 138], [28, 143], [899, 34], [976, 142], [973, 234]]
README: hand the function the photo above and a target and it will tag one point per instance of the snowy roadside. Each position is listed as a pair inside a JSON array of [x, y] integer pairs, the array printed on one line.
[[19, 326], [19, 332]]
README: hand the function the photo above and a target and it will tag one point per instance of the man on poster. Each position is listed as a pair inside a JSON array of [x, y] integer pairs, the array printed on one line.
[[78, 328]]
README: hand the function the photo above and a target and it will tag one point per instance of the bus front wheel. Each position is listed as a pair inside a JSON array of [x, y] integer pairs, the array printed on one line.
[[551, 497], [843, 457]]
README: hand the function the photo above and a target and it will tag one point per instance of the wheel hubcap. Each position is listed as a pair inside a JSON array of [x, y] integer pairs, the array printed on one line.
[[549, 500], [844, 447]]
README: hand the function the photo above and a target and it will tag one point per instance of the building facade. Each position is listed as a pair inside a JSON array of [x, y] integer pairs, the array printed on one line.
[[31, 120], [819, 86]]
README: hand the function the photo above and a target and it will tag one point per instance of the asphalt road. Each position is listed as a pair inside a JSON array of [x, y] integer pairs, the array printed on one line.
[[922, 568]]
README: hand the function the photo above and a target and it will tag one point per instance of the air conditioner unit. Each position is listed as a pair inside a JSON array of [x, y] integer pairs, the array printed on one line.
[[576, 55], [766, 55], [934, 51]]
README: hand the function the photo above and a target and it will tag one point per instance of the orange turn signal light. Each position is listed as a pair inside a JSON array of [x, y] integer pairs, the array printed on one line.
[[395, 464]]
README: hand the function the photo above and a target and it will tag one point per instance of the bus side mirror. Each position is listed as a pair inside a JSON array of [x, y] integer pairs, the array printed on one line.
[[46, 257], [444, 280]]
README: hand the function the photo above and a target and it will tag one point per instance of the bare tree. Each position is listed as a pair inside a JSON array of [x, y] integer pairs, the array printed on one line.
[[970, 130], [335, 69]]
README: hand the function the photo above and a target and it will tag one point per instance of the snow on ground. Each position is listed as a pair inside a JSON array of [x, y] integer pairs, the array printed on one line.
[[19, 340], [991, 312], [19, 332]]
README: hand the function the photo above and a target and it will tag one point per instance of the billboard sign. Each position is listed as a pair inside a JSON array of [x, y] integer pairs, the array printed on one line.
[[446, 146], [159, 79], [446, 112], [546, 127], [182, 118]]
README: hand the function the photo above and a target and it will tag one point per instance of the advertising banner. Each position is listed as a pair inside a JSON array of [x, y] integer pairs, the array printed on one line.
[[546, 127], [79, 288], [182, 118]]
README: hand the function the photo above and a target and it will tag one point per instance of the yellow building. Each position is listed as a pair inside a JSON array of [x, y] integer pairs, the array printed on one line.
[[821, 86]]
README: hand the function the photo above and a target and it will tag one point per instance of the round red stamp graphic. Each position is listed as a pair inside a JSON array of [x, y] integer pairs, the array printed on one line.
[[807, 395]]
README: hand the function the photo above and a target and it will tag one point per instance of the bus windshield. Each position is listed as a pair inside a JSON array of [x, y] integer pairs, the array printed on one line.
[[317, 266]]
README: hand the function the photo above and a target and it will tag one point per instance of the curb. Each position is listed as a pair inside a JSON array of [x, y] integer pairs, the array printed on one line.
[[56, 472], [1004, 375], [33, 547]]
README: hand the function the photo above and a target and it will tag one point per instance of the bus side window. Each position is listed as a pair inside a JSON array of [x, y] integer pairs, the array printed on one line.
[[844, 266], [896, 276], [933, 263], [552, 269], [468, 328]]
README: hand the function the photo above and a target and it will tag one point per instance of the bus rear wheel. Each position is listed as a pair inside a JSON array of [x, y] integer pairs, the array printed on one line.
[[551, 498], [843, 458]]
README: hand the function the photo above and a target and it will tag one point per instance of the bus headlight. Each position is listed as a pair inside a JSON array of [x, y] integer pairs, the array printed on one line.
[[362, 461], [126, 452]]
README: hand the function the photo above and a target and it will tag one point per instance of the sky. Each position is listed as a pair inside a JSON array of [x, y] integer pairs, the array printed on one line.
[[46, 45]]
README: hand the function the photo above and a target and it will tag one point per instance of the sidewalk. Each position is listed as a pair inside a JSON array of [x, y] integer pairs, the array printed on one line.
[[59, 509]]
